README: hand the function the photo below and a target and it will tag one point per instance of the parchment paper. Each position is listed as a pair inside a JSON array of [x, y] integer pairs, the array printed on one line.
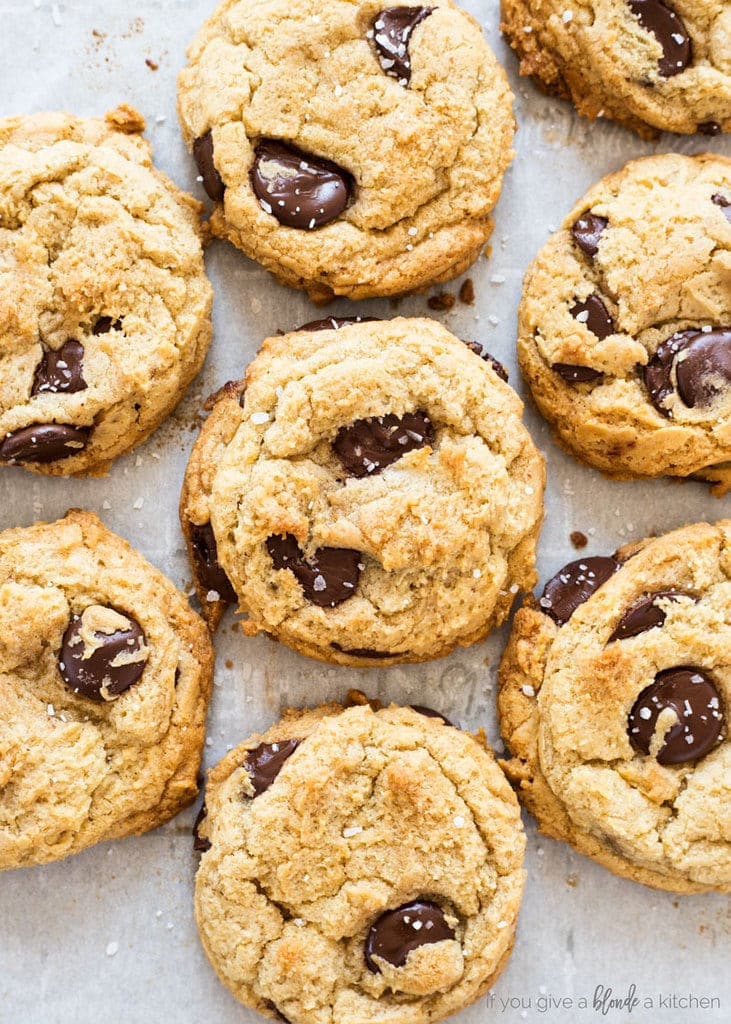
[[108, 936]]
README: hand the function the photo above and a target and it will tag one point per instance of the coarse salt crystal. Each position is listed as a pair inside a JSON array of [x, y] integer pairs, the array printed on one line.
[[353, 830], [528, 690], [112, 948], [260, 417]]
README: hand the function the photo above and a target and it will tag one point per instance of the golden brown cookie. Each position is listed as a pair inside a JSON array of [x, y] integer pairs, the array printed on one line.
[[625, 322], [372, 497], [104, 302], [360, 866], [351, 149], [615, 691], [105, 675], [649, 64]]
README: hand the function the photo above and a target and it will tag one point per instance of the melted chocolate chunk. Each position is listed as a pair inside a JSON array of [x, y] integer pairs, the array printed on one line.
[[701, 373], [203, 156], [397, 932], [587, 232], [60, 371], [392, 32], [100, 663], [301, 191], [574, 585], [710, 128], [645, 614], [334, 323], [368, 446], [497, 366], [265, 762], [422, 709], [327, 579], [364, 652], [200, 843], [576, 374], [670, 32], [694, 698], [44, 442], [105, 324], [724, 203], [208, 569], [594, 314]]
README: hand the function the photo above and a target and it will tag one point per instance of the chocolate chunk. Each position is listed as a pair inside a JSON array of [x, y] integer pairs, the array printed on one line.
[[327, 579], [587, 231], [724, 203], [203, 156], [105, 324], [60, 370], [103, 653], [645, 614], [710, 128], [364, 652], [701, 373], [595, 316], [301, 191], [265, 762], [576, 374], [422, 709], [392, 31], [397, 932], [694, 698], [44, 442], [497, 366], [334, 323], [200, 843], [670, 32], [705, 368], [208, 569], [368, 446], [574, 584]]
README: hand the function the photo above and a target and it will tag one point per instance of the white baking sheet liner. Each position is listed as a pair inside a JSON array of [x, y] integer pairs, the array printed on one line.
[[108, 936]]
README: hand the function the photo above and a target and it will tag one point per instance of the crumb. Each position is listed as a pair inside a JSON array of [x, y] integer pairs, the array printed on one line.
[[229, 663], [579, 539], [572, 881], [152, 64], [467, 292], [441, 302]]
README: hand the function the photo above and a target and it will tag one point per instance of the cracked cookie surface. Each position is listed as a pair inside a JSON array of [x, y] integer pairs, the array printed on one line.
[[646, 63], [615, 690], [625, 322], [367, 817], [415, 158], [105, 676], [104, 302], [372, 496]]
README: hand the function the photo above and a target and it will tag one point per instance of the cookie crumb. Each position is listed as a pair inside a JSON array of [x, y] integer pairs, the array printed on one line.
[[152, 64], [441, 302], [467, 292], [578, 539]]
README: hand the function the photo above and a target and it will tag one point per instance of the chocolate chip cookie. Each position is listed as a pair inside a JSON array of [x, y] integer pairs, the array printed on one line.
[[370, 497], [625, 322], [104, 303], [363, 865], [105, 675], [649, 64], [352, 149], [615, 691]]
